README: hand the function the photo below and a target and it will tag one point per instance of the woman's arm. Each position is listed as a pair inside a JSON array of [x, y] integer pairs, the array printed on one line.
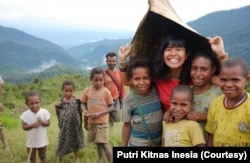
[[217, 46], [123, 54]]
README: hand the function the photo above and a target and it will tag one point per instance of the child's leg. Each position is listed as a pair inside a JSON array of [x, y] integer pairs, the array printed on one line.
[[32, 155], [42, 154], [2, 138], [76, 152], [59, 159], [108, 152], [100, 152]]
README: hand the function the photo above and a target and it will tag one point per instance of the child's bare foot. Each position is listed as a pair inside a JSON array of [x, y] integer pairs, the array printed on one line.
[[77, 160]]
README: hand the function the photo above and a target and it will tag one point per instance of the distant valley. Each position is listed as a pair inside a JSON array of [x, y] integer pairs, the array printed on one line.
[[25, 57]]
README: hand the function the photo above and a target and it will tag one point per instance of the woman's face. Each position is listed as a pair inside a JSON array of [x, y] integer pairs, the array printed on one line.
[[174, 56]]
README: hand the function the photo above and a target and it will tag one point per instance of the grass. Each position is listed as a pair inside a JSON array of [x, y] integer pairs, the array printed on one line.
[[16, 138]]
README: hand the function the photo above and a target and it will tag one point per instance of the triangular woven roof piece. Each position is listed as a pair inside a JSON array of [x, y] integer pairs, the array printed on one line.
[[160, 21]]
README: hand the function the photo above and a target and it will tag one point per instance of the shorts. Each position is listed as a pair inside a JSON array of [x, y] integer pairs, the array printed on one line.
[[98, 133]]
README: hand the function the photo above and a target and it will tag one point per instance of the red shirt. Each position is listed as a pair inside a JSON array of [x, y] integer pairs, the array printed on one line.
[[165, 88]]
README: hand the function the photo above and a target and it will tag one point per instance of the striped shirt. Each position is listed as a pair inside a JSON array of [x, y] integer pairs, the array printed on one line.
[[152, 110]]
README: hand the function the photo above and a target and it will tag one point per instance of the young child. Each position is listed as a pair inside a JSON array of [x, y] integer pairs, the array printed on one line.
[[69, 114], [203, 66], [228, 118], [181, 132], [142, 109], [97, 102], [35, 121]]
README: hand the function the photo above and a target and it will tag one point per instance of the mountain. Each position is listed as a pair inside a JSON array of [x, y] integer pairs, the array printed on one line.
[[93, 54], [24, 57], [232, 25], [22, 53]]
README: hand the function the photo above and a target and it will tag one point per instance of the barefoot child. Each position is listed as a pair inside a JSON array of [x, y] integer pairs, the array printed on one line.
[[69, 114], [35, 121], [97, 102]]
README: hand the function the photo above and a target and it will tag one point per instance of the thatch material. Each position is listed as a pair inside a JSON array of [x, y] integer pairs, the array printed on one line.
[[160, 21]]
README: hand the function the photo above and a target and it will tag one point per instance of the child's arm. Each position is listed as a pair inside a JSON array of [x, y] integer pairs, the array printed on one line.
[[200, 145], [57, 108], [44, 123], [98, 114], [210, 140], [86, 114], [1, 107], [27, 126], [126, 133]]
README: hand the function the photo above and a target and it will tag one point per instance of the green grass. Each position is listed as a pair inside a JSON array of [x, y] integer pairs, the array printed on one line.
[[16, 138]]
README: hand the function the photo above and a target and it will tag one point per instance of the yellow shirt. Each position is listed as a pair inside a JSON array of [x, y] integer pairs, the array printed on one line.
[[229, 127], [185, 133]]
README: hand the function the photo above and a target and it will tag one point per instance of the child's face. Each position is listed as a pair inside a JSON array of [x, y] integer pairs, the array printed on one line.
[[68, 91], [98, 81], [141, 80], [233, 82], [180, 105], [174, 57], [33, 103], [201, 71]]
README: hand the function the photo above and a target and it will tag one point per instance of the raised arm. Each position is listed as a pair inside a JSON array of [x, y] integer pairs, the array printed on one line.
[[217, 46], [123, 55]]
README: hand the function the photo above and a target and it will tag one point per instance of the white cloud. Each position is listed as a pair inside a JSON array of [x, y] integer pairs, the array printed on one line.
[[124, 14]]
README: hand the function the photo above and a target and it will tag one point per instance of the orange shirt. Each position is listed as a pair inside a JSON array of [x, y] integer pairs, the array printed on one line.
[[97, 101], [110, 84]]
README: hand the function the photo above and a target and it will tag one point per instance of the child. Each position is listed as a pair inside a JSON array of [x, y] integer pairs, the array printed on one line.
[[181, 132], [69, 114], [2, 137], [97, 102], [34, 122], [142, 109], [228, 118], [203, 66]]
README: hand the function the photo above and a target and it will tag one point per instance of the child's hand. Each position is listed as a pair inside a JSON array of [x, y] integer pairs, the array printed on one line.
[[58, 104], [86, 113], [86, 126], [40, 120], [168, 117], [95, 115], [36, 124]]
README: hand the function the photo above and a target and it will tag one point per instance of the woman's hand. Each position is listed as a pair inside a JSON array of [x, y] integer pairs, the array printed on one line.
[[217, 45], [124, 52]]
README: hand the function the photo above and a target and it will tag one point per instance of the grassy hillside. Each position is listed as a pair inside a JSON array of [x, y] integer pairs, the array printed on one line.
[[50, 91]]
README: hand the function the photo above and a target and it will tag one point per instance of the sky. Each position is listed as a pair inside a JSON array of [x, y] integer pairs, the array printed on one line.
[[120, 14]]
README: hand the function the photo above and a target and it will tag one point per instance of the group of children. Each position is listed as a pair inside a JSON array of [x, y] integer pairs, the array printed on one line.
[[96, 103], [198, 113]]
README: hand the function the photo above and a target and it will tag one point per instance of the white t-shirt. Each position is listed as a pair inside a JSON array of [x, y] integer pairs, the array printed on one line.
[[36, 137]]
